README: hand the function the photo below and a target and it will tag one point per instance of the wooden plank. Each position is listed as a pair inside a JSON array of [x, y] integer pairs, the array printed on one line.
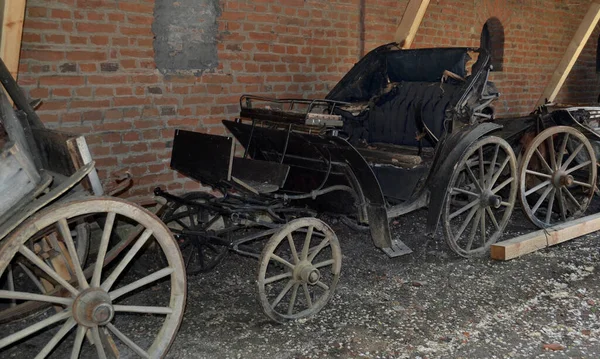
[[551, 236], [260, 171], [13, 14], [411, 20], [571, 54]]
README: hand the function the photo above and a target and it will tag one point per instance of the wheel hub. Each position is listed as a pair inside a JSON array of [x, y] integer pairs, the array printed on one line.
[[307, 273], [93, 307], [561, 179], [489, 199]]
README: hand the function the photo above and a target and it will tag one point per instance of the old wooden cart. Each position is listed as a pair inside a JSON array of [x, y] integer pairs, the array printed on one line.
[[69, 282]]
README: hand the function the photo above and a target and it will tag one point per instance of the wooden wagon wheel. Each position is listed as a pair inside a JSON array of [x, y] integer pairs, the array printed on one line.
[[557, 176], [104, 295], [200, 255], [299, 270], [481, 196]]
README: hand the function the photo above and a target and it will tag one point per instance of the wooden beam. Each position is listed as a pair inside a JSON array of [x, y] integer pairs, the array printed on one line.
[[13, 14], [551, 236], [411, 20], [571, 54]]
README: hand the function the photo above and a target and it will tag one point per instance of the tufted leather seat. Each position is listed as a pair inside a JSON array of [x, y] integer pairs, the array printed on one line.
[[395, 117]]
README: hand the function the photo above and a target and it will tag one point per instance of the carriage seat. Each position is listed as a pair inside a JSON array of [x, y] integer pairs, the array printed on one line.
[[396, 116]]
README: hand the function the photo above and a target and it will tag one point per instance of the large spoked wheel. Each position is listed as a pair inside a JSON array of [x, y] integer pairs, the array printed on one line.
[[299, 270], [200, 252], [481, 197], [557, 176], [121, 313]]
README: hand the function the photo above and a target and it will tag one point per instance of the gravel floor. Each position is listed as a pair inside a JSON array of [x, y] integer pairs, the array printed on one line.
[[429, 304]]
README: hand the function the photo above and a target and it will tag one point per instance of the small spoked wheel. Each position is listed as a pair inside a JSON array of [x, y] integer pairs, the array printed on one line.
[[194, 227], [299, 270], [121, 312], [481, 197], [557, 176]]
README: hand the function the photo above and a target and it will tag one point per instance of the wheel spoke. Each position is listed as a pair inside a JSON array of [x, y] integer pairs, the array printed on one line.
[[290, 310], [125, 261], [473, 178], [543, 160], [281, 260], [572, 157], [324, 243], [123, 338], [32, 277], [465, 208], [492, 217], [293, 248], [79, 337], [307, 295], [483, 233], [278, 277], [98, 343], [106, 232], [493, 164], [586, 185], [536, 188], [44, 267], [63, 227], [499, 172], [541, 200], [481, 168], [572, 198], [561, 204], [324, 263], [56, 338], [142, 309], [34, 328], [11, 283], [579, 166], [466, 222], [538, 174], [550, 206], [286, 289], [563, 148], [473, 231], [503, 184], [322, 285], [552, 152], [140, 283], [7, 294], [464, 191], [307, 242]]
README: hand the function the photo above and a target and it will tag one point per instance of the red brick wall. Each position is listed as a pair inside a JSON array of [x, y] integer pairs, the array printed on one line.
[[92, 62]]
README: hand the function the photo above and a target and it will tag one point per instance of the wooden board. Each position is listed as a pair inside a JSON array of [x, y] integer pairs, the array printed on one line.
[[571, 54], [411, 20], [551, 236], [13, 14]]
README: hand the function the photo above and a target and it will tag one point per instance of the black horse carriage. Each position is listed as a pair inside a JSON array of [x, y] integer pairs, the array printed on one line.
[[403, 130]]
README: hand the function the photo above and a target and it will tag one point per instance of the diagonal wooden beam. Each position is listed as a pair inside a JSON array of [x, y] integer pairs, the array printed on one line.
[[411, 20], [570, 57], [13, 14]]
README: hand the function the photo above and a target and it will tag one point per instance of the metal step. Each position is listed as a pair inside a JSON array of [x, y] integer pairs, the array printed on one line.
[[397, 249]]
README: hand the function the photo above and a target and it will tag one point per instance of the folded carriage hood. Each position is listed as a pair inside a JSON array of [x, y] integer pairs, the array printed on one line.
[[388, 63]]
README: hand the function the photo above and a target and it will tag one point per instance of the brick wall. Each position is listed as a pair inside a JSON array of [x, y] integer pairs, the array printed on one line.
[[92, 61]]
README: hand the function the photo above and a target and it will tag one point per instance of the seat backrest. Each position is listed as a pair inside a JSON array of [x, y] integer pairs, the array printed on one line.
[[395, 117]]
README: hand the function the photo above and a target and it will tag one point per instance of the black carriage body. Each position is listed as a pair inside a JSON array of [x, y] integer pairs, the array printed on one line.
[[385, 140]]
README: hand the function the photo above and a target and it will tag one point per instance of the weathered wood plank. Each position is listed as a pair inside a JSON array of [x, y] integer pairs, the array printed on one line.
[[573, 51], [544, 238], [411, 20], [13, 14]]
